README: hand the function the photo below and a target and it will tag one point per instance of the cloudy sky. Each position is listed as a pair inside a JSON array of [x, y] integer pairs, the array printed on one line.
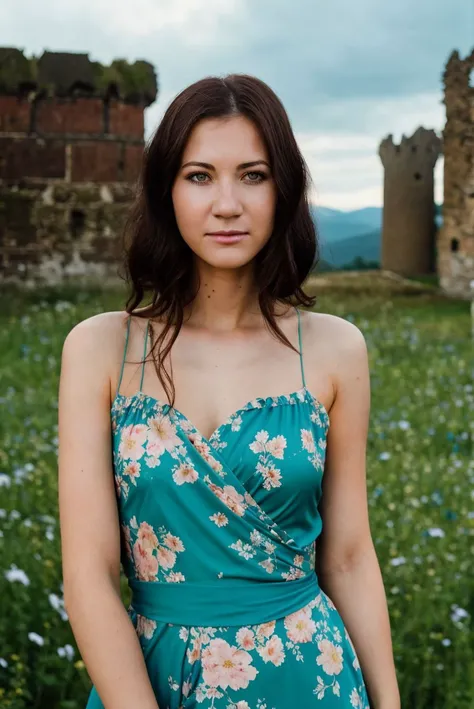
[[347, 72]]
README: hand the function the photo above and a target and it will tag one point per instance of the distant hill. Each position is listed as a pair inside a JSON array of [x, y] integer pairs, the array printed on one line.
[[345, 236], [334, 225], [365, 246]]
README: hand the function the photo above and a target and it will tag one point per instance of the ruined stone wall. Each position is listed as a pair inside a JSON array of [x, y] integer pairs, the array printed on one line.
[[56, 232], [70, 154], [456, 237], [408, 228]]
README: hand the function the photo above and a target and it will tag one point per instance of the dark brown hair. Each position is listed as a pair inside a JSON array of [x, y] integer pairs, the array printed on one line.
[[157, 259]]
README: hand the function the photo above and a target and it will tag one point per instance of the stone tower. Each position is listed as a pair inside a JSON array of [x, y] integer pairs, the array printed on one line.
[[408, 228], [71, 144], [456, 237]]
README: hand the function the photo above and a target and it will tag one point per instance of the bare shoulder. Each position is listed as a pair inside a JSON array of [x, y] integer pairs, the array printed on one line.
[[341, 335], [96, 334], [102, 332], [93, 346], [339, 347]]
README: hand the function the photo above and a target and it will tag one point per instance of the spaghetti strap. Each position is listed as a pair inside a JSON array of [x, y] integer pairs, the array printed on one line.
[[124, 353], [301, 347], [144, 354]]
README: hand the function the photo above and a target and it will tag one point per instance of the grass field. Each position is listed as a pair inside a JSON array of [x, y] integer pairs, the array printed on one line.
[[420, 473]]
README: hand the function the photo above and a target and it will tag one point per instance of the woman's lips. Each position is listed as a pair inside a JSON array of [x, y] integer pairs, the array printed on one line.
[[232, 239]]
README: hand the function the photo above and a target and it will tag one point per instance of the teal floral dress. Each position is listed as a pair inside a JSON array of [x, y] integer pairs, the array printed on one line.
[[218, 545]]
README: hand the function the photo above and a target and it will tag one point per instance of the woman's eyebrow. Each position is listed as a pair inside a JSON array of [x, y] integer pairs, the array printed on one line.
[[242, 166]]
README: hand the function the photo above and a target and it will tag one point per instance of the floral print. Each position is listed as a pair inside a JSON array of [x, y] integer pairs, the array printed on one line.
[[151, 553], [236, 510]]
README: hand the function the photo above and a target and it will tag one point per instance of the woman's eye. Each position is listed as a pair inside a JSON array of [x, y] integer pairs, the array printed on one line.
[[196, 174], [260, 176]]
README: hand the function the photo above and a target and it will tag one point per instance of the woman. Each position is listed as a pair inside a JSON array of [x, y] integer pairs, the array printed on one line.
[[218, 502]]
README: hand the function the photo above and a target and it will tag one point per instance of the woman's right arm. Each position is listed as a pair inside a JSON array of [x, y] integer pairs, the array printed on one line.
[[90, 530]]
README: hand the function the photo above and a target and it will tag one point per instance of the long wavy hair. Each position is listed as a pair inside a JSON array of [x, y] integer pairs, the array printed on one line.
[[156, 257]]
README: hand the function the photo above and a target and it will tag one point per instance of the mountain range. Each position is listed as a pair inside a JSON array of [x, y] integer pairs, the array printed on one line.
[[345, 236]]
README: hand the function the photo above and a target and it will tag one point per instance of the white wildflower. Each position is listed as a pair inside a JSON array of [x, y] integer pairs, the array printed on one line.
[[16, 574], [35, 638]]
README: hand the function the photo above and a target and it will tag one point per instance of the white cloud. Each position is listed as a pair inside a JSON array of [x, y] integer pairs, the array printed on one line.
[[345, 166], [196, 20]]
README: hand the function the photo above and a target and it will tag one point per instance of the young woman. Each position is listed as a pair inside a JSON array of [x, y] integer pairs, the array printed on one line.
[[214, 506]]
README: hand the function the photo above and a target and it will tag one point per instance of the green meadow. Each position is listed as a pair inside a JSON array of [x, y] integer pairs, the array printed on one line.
[[420, 475]]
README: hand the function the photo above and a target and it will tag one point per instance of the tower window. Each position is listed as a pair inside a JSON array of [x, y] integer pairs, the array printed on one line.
[[454, 245], [77, 223], [417, 175]]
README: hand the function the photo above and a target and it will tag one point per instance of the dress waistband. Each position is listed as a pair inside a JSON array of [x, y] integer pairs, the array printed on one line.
[[221, 602]]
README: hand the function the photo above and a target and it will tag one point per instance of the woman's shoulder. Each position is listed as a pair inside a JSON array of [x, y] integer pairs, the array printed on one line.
[[107, 325], [100, 326], [337, 332], [100, 336], [335, 346]]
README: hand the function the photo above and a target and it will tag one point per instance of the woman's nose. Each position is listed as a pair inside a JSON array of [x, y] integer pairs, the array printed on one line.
[[226, 200]]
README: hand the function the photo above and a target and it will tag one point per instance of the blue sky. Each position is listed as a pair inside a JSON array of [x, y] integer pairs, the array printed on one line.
[[347, 72]]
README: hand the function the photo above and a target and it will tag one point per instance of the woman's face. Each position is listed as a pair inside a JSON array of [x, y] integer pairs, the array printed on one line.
[[225, 194]]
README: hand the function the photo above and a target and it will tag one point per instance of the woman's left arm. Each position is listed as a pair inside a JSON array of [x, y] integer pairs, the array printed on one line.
[[346, 562]]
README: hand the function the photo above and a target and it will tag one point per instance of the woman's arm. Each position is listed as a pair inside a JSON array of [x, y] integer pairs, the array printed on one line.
[[346, 562], [89, 521]]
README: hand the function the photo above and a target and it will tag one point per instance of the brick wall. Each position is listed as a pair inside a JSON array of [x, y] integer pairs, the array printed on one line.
[[96, 162], [14, 115], [132, 162], [126, 120], [72, 115], [105, 141], [31, 157]]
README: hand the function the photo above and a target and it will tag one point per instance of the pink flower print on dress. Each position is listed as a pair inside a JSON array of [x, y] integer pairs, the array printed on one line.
[[276, 447], [245, 639], [176, 577], [186, 688], [230, 497], [193, 653], [145, 627], [166, 558], [132, 469], [173, 543], [146, 564], [226, 666], [356, 700], [272, 651], [271, 475], [132, 440], [147, 537], [307, 440], [268, 565], [300, 627], [267, 448], [330, 658], [265, 630], [162, 436], [185, 473], [205, 452]]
